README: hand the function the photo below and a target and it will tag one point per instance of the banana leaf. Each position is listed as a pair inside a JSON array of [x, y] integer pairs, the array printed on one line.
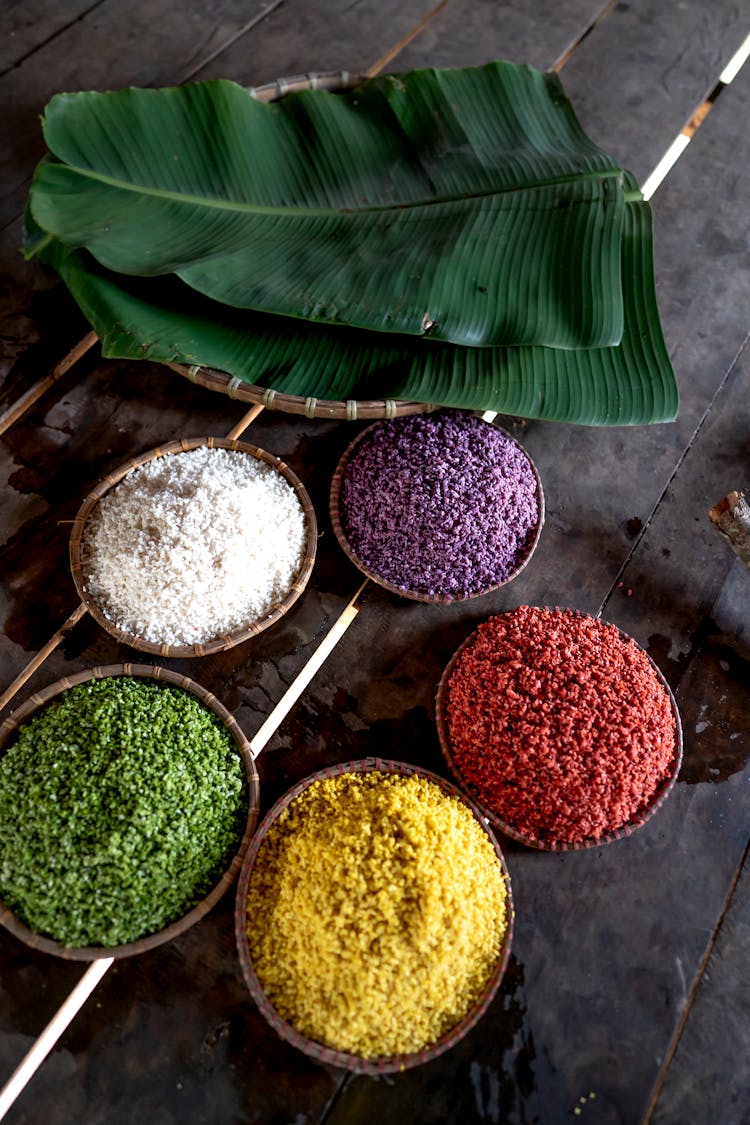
[[161, 319], [463, 205]]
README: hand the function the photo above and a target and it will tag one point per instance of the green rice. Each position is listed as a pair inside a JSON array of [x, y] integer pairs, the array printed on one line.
[[122, 802]]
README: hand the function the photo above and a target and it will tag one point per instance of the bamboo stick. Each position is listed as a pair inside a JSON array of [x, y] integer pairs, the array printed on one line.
[[52, 1032], [303, 678], [27, 400], [42, 655], [245, 421]]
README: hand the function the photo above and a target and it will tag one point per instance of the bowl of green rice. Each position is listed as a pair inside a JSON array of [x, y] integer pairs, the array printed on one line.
[[374, 916], [128, 797]]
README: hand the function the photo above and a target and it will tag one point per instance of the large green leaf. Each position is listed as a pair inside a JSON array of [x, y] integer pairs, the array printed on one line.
[[466, 205], [160, 319]]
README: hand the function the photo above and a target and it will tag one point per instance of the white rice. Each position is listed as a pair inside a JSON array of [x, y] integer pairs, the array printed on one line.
[[192, 546]]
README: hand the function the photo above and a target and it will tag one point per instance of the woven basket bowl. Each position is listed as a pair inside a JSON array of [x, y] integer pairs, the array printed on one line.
[[328, 1055], [219, 644], [93, 953], [350, 409], [528, 838], [416, 595]]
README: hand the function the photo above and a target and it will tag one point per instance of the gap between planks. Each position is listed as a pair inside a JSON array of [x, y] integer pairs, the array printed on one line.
[[693, 994], [691, 442]]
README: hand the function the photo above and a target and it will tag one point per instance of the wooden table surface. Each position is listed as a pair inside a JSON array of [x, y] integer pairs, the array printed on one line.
[[629, 975]]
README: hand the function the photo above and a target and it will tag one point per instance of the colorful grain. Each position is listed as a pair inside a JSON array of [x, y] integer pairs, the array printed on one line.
[[122, 802], [558, 724], [376, 912], [442, 505]]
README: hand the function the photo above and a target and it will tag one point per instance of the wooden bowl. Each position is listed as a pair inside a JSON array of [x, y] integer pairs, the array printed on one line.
[[529, 838], [219, 644], [328, 1055], [93, 953], [416, 595], [350, 409]]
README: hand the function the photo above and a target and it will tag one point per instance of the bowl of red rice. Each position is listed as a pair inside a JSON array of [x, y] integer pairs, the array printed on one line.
[[373, 916], [560, 727]]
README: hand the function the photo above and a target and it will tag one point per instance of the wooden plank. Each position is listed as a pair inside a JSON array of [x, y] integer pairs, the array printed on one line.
[[646, 69], [705, 302], [472, 32], [462, 34], [28, 27], [709, 1077], [170, 1038]]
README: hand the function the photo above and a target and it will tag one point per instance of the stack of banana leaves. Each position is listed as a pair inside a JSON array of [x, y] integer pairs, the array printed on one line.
[[444, 236]]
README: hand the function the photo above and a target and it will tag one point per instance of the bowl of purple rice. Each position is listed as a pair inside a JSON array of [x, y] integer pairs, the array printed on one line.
[[374, 916], [438, 507]]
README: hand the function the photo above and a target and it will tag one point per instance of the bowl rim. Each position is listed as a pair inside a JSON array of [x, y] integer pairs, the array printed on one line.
[[238, 636], [334, 507], [662, 791], [39, 700], [386, 1064]]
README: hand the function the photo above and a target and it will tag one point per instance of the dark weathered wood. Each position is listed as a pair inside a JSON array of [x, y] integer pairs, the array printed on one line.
[[704, 1082], [650, 65], [472, 32], [609, 943], [27, 27]]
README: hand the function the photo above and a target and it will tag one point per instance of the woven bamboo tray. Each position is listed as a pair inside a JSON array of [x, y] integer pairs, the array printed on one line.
[[528, 838], [415, 595], [350, 409], [220, 644], [93, 953], [319, 1052]]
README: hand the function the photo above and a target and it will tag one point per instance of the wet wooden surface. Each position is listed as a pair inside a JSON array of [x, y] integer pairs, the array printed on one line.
[[628, 979]]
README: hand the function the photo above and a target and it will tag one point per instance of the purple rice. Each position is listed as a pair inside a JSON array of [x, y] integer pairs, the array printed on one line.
[[442, 505]]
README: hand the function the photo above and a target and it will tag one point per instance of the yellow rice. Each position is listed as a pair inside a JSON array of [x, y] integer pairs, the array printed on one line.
[[376, 912]]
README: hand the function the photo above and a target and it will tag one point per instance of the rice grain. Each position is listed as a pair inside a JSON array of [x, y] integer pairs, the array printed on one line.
[[193, 546], [376, 912]]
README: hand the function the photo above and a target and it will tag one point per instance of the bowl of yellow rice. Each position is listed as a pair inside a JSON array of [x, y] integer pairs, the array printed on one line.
[[374, 916]]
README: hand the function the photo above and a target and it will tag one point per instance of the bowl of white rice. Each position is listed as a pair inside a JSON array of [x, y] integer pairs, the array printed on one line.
[[193, 547]]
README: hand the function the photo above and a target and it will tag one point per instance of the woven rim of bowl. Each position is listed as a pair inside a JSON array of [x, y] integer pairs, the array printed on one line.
[[415, 595], [658, 798], [350, 409], [129, 949], [355, 1063], [220, 644]]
